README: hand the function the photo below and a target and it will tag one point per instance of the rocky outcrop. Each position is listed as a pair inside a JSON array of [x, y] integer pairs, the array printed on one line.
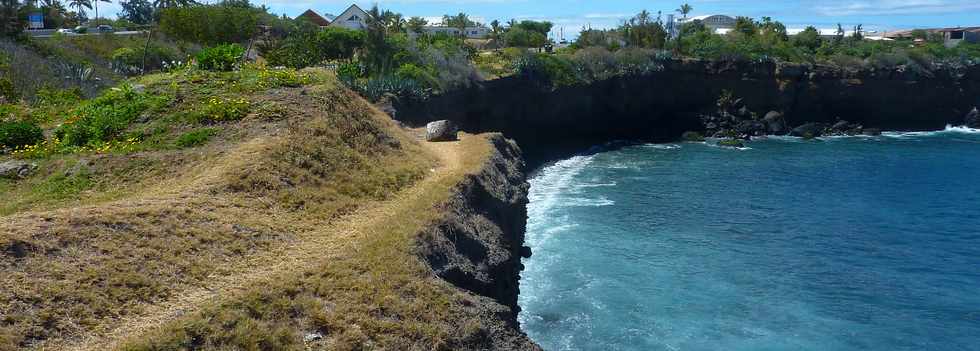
[[662, 105], [479, 244], [15, 169], [440, 131], [972, 119]]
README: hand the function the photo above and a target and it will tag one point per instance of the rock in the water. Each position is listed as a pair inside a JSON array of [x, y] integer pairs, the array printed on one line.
[[692, 136], [841, 126], [872, 131], [440, 131], [16, 169], [775, 124], [752, 128], [809, 130], [973, 119]]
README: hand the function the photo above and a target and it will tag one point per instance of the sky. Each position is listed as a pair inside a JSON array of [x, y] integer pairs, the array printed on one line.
[[573, 15]]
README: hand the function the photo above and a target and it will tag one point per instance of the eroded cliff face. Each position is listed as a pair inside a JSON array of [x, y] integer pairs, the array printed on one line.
[[478, 244], [663, 105]]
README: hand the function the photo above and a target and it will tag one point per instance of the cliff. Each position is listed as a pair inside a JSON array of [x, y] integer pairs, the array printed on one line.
[[662, 105], [478, 243]]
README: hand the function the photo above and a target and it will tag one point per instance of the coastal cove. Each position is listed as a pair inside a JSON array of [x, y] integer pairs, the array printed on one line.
[[563, 308]]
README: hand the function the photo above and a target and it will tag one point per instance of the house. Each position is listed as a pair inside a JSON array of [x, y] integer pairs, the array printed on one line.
[[314, 18], [352, 18], [951, 36], [474, 32], [716, 23]]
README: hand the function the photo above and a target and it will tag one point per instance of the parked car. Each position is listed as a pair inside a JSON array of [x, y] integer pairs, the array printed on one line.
[[105, 28], [66, 31]]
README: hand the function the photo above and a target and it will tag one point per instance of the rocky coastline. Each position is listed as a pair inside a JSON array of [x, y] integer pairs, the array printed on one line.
[[552, 122], [478, 244]]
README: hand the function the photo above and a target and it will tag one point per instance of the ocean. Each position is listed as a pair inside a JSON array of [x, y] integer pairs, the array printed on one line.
[[850, 243]]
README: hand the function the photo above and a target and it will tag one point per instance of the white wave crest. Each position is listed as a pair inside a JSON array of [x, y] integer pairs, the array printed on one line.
[[662, 146]]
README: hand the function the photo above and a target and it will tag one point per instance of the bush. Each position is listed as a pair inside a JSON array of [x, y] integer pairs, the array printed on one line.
[[103, 118], [7, 90], [196, 138], [546, 68], [223, 110], [220, 58], [19, 134]]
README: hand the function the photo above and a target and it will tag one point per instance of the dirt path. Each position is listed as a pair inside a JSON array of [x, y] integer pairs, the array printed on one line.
[[311, 247]]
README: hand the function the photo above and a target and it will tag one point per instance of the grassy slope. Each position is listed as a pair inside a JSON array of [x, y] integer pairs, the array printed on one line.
[[95, 239]]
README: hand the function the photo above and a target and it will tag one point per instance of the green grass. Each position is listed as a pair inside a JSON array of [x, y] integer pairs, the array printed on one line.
[[196, 137], [137, 226]]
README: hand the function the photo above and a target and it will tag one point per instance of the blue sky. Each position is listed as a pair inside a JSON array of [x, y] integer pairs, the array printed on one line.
[[574, 14]]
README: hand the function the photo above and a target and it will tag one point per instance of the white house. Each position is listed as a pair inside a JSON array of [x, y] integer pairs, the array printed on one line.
[[352, 18]]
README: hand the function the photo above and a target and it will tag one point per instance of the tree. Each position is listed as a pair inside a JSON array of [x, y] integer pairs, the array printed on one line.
[[496, 30], [335, 43], [684, 10], [80, 6], [459, 21], [809, 38], [745, 26], [543, 27], [642, 31], [96, 2], [11, 23], [379, 49], [417, 25], [521, 37], [137, 11]]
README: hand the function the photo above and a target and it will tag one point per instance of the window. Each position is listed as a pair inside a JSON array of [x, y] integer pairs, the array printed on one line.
[[354, 18], [956, 35], [474, 32]]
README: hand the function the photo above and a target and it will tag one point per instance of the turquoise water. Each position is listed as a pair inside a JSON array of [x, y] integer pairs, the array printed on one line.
[[846, 244]]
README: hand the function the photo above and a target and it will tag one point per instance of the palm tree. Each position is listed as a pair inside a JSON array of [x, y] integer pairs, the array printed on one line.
[[496, 31], [417, 24], [685, 9], [80, 6], [460, 21], [97, 6]]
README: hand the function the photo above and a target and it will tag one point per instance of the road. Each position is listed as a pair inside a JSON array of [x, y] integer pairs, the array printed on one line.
[[51, 33]]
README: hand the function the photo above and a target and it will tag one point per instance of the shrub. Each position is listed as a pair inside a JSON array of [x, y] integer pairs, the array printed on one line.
[[7, 90], [223, 110], [376, 88], [196, 138], [348, 73], [102, 118], [18, 134], [547, 68], [220, 58], [416, 73]]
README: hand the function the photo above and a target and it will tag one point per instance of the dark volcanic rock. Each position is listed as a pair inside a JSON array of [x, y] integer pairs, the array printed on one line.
[[775, 124], [478, 244], [751, 128], [871, 131], [973, 118], [811, 130], [440, 131]]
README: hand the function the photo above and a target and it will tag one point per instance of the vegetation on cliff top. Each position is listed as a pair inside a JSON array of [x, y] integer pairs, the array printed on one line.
[[158, 186]]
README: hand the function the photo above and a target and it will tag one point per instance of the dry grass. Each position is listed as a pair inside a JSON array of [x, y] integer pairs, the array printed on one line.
[[371, 293], [99, 263]]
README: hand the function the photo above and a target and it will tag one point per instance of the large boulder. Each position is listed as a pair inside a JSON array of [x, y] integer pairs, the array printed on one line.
[[751, 128], [775, 123], [440, 131], [15, 169], [973, 119], [809, 130]]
